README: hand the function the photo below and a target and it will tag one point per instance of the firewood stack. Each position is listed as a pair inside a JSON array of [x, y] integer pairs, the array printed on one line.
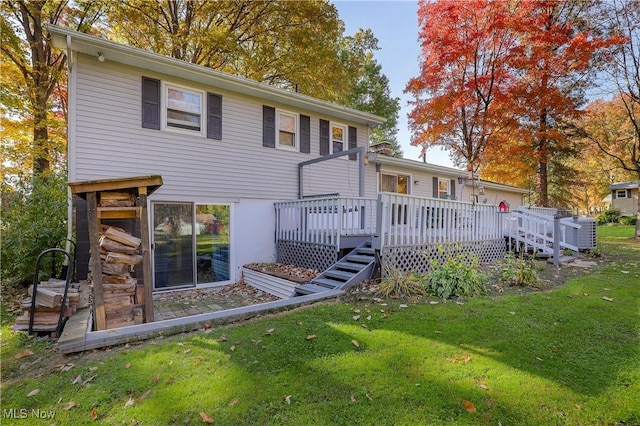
[[48, 304], [118, 255]]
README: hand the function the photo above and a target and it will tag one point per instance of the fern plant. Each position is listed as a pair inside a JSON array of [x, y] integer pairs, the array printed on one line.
[[518, 271]]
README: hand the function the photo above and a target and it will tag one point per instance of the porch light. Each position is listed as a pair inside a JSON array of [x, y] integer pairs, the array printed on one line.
[[100, 57]]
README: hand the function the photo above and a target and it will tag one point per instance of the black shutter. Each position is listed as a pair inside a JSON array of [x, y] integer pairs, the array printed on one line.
[[613, 194], [214, 116], [150, 103], [628, 193], [435, 187], [353, 141], [324, 137], [453, 189], [305, 134], [268, 126]]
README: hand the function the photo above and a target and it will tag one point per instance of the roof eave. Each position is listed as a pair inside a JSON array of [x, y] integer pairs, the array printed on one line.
[[131, 56]]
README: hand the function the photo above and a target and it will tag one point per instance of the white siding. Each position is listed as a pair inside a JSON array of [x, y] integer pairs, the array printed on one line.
[[110, 143]]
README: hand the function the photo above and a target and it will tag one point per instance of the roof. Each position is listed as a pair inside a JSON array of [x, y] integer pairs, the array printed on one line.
[[625, 185], [69, 40], [404, 163]]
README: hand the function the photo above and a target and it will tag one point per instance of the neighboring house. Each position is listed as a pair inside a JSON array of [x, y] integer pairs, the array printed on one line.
[[233, 154], [624, 197]]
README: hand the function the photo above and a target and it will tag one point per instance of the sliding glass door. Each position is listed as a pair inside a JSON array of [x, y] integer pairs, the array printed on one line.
[[190, 244]]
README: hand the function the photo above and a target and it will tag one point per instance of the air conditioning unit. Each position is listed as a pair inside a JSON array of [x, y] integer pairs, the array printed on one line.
[[585, 237]]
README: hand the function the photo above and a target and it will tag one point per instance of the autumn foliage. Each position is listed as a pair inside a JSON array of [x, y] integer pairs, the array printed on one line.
[[497, 81]]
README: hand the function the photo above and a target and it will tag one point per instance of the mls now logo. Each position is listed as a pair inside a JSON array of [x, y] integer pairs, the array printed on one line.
[[23, 413], [15, 413]]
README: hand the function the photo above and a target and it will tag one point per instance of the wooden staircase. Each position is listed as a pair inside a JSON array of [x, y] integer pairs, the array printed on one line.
[[352, 269]]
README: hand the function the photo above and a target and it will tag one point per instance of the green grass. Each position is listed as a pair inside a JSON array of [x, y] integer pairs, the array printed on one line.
[[564, 357]]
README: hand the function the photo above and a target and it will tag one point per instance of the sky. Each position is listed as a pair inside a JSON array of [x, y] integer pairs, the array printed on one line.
[[395, 25]]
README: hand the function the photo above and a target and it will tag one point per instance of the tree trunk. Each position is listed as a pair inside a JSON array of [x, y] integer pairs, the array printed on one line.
[[638, 206]]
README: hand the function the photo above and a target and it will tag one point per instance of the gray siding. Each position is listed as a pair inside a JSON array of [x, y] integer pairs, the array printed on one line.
[[110, 143]]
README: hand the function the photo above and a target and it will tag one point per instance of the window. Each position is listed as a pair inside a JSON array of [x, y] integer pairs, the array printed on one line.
[[167, 106], [394, 183], [183, 108], [621, 193], [443, 188], [287, 130], [338, 138]]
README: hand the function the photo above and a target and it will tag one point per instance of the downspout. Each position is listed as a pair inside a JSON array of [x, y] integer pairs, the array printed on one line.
[[69, 195]]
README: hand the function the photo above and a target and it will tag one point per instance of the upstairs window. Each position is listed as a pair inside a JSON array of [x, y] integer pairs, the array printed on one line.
[[338, 138], [621, 193], [443, 188], [287, 130], [184, 108]]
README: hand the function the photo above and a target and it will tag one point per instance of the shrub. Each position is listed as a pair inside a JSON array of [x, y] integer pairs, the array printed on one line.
[[33, 219], [608, 216], [399, 284], [517, 271], [628, 220], [458, 276]]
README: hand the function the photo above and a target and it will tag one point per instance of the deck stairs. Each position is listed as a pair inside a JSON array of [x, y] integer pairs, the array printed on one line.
[[351, 270]]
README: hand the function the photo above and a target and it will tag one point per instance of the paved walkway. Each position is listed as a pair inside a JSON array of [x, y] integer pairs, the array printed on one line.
[[182, 303]]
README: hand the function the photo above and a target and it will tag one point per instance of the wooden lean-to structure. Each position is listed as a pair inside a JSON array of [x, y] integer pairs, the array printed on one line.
[[118, 299]]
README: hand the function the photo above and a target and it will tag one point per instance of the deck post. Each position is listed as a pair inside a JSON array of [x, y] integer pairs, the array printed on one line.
[[556, 240], [376, 240]]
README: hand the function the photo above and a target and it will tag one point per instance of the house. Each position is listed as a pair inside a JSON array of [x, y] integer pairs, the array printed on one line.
[[254, 173], [624, 197]]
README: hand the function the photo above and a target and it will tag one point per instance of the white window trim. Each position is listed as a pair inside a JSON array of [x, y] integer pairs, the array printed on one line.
[[296, 137], [165, 103], [447, 181], [396, 175], [621, 191], [345, 142]]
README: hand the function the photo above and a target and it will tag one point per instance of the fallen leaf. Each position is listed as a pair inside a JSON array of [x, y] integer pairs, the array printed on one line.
[[433, 302], [483, 385], [92, 369], [187, 351], [369, 318], [403, 306], [368, 397], [469, 406], [23, 354], [287, 399], [129, 402], [207, 325], [269, 331], [127, 365], [256, 341], [608, 299], [34, 392], [311, 336], [356, 317], [69, 405], [221, 339], [355, 343], [232, 348], [577, 407], [65, 367], [77, 380], [89, 379], [206, 418], [353, 399], [155, 378], [94, 413], [197, 361], [233, 402]]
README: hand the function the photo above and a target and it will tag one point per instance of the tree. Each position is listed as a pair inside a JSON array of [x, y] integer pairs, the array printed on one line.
[[463, 77], [26, 45], [291, 45], [371, 92]]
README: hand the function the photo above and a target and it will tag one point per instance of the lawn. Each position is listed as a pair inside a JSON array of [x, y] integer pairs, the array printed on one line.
[[567, 356]]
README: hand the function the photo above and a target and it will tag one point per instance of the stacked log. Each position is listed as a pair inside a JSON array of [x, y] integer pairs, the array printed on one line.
[[48, 304], [119, 255]]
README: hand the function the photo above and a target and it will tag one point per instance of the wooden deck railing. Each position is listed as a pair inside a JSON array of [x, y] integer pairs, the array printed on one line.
[[408, 220], [325, 220]]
